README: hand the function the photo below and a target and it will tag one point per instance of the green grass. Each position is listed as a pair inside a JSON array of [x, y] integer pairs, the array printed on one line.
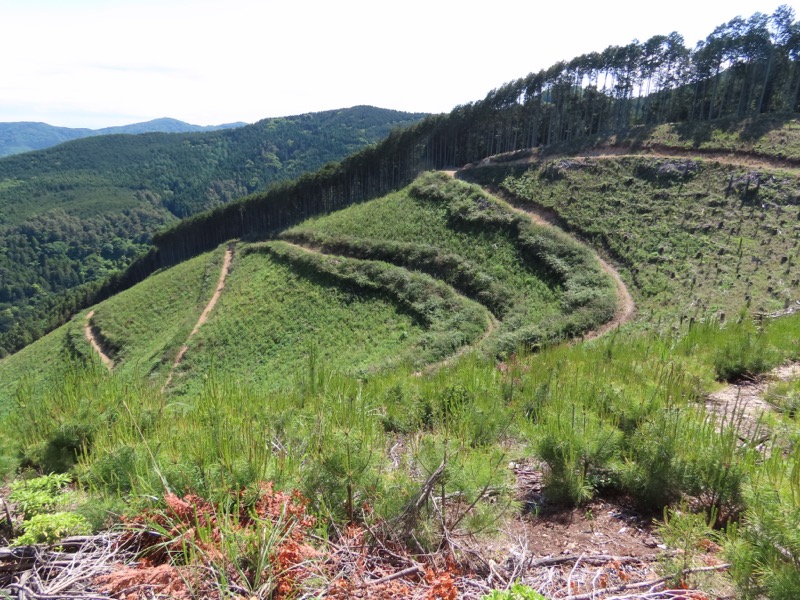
[[144, 327], [37, 366], [294, 309], [695, 238], [623, 414], [540, 283]]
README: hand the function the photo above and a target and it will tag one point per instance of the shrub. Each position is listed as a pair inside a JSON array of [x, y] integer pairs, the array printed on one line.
[[39, 495], [516, 592], [746, 352], [580, 450], [50, 528]]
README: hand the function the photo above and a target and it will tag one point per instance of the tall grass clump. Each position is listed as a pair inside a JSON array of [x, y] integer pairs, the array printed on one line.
[[764, 549]]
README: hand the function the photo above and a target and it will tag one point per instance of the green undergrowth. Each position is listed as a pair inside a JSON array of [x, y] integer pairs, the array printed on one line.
[[767, 135], [621, 415], [540, 283], [695, 238], [141, 329], [770, 136]]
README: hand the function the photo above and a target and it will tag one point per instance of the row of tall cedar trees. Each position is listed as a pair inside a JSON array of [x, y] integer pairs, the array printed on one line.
[[745, 67]]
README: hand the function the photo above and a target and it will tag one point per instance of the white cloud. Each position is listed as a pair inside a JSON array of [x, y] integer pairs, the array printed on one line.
[[99, 63]]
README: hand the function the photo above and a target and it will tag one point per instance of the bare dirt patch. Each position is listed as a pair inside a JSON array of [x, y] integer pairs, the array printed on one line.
[[743, 404], [92, 336]]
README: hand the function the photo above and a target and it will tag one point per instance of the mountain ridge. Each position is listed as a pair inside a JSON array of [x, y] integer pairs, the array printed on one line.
[[17, 137]]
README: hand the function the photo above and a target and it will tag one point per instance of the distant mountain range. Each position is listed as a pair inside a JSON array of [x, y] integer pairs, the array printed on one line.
[[24, 136]]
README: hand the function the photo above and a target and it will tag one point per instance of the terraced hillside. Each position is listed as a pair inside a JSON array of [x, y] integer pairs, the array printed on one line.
[[695, 237], [405, 280], [416, 365], [73, 215]]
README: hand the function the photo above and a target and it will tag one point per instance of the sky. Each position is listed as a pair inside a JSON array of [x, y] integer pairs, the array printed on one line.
[[99, 63]]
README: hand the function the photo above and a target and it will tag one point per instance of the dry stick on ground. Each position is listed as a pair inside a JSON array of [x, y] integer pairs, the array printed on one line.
[[223, 274], [408, 518], [645, 584], [45, 574]]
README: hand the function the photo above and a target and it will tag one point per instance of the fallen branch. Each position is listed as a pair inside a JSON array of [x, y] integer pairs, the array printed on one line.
[[398, 575], [595, 559], [408, 518], [644, 584]]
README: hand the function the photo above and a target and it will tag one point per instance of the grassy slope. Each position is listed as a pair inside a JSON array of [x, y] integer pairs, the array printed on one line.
[[38, 365], [695, 237], [281, 311], [490, 241], [403, 217], [145, 326], [624, 413]]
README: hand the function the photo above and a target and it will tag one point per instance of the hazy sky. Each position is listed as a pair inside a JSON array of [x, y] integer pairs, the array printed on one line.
[[96, 63]]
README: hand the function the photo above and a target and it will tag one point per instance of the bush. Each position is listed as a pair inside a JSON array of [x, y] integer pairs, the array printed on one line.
[[515, 592], [39, 495], [745, 353], [50, 528]]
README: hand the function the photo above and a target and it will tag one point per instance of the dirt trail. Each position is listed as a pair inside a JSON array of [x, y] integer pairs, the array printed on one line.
[[94, 341], [732, 157], [433, 367], [743, 403], [223, 274], [546, 217]]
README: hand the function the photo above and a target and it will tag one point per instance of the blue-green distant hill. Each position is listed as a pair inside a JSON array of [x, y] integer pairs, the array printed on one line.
[[24, 136]]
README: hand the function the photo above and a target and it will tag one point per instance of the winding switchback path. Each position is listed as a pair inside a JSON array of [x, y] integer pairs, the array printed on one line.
[[223, 274], [95, 343], [546, 217]]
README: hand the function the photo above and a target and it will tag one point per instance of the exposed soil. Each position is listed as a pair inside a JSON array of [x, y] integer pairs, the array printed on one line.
[[223, 274], [742, 402], [90, 331]]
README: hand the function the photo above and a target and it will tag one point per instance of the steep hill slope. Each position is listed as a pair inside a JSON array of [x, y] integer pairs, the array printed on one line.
[[71, 215], [698, 237]]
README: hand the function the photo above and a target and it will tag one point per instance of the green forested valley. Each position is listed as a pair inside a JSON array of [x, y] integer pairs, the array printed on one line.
[[72, 215]]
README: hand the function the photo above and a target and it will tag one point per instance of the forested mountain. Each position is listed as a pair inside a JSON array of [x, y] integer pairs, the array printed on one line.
[[73, 214], [23, 136], [600, 329]]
